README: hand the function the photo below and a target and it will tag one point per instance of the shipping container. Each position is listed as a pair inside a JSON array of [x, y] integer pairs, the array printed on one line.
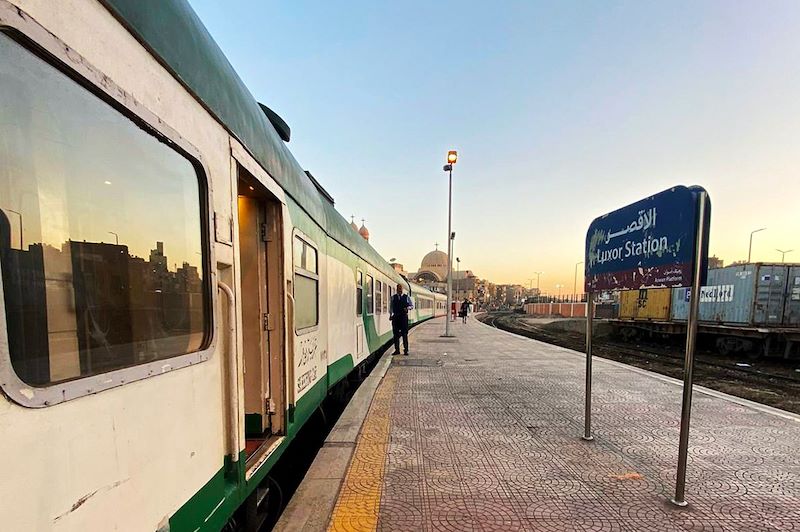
[[791, 312], [606, 310], [745, 294], [651, 304]]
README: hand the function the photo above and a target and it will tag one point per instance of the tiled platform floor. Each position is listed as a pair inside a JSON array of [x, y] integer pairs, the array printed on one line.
[[483, 434]]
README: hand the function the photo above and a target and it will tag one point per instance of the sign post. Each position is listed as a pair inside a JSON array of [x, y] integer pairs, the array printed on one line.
[[701, 243], [587, 416], [660, 241]]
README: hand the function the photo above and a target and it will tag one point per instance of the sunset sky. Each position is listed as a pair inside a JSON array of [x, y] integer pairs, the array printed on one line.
[[560, 112]]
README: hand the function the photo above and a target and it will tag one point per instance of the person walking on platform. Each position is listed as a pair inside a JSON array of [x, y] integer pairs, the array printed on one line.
[[464, 310], [398, 314]]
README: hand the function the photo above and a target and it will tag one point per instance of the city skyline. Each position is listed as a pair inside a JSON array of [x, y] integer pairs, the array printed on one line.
[[560, 113]]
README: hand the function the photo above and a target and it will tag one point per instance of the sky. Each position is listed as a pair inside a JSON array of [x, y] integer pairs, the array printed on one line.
[[560, 112]]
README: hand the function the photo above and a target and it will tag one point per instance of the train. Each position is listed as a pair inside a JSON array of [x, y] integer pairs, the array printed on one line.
[[179, 294], [744, 308]]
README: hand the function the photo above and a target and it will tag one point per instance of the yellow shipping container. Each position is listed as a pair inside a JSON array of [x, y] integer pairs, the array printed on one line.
[[645, 304]]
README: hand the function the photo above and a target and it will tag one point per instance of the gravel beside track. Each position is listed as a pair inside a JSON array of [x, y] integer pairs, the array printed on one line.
[[771, 382]]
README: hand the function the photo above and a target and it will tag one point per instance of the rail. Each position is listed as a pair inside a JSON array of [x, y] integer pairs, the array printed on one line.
[[233, 374]]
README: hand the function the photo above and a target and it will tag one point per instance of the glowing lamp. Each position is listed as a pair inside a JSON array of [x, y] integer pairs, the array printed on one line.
[[452, 157]]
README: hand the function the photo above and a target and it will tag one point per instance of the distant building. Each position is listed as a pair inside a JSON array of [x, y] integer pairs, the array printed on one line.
[[715, 262], [433, 268], [432, 274], [399, 269]]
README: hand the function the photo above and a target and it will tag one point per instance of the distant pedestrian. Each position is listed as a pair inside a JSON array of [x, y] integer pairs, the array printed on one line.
[[398, 314], [464, 310]]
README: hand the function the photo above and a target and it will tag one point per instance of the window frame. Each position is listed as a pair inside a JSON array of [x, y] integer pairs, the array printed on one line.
[[47, 47], [370, 285], [378, 294], [297, 270], [359, 293]]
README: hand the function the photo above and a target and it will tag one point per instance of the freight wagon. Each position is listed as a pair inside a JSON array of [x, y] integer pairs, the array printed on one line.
[[753, 308]]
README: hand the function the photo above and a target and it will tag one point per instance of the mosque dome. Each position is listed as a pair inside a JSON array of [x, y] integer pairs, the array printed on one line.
[[353, 225]]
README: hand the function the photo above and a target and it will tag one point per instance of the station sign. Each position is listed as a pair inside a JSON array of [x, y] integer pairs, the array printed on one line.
[[647, 244]]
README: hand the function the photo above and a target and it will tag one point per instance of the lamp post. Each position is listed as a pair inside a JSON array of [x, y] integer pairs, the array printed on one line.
[[575, 282], [20, 226], [574, 290], [116, 237], [559, 286], [458, 281], [750, 249], [452, 157], [783, 253]]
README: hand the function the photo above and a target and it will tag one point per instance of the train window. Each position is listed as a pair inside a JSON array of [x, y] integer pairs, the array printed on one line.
[[387, 298], [370, 295], [306, 285], [378, 297], [101, 232], [359, 293]]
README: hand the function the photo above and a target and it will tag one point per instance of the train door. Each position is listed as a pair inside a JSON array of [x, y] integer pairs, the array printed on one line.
[[261, 307]]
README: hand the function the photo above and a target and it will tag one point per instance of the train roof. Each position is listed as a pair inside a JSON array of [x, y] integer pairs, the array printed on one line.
[[175, 35]]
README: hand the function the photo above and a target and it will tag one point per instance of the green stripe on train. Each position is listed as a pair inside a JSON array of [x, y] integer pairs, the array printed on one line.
[[215, 503]]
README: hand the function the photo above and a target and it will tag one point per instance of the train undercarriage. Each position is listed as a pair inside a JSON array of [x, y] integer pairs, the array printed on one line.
[[754, 342]]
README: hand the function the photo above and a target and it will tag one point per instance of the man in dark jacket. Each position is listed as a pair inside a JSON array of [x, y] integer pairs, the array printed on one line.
[[398, 313]]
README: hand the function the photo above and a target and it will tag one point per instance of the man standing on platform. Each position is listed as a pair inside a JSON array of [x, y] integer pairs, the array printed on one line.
[[398, 314]]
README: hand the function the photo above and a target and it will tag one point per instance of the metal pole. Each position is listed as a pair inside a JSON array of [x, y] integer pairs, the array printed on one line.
[[587, 416], [20, 226], [449, 254], [750, 248], [458, 282], [691, 340]]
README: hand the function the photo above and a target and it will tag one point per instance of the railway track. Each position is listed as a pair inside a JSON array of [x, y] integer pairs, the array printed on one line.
[[772, 388]]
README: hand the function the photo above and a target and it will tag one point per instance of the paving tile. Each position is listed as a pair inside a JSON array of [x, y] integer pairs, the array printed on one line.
[[484, 434]]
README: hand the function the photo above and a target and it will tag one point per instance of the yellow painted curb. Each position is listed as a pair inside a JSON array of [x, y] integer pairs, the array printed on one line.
[[358, 505]]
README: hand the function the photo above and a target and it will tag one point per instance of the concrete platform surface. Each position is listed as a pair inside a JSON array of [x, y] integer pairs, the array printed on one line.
[[481, 432]]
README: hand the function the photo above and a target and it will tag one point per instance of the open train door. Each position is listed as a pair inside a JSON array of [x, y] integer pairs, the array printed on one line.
[[260, 276]]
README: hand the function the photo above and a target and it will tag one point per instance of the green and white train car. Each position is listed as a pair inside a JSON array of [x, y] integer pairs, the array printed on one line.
[[179, 296]]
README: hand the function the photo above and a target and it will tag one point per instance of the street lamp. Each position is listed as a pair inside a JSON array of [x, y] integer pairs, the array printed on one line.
[[783, 253], [116, 236], [452, 157], [559, 286], [538, 292], [458, 281], [20, 226], [750, 249], [575, 282]]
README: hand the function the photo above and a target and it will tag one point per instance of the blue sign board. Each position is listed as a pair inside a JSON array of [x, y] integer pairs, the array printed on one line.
[[650, 243]]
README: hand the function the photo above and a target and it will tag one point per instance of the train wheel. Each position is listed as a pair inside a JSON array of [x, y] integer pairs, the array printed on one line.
[[628, 334]]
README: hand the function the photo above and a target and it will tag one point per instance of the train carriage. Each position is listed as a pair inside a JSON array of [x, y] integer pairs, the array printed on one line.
[[179, 296]]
